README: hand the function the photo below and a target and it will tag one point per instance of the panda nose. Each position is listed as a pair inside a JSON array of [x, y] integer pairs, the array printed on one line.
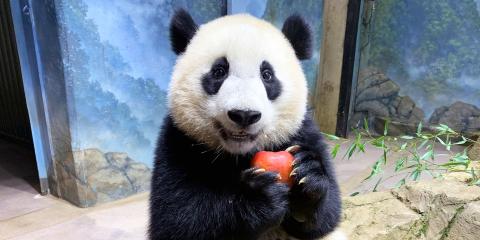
[[244, 118]]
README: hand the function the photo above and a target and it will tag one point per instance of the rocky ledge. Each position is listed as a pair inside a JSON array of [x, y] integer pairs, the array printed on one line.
[[460, 116], [103, 177], [378, 98], [437, 209]]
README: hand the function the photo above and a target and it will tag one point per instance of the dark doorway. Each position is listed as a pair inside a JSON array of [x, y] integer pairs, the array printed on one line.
[[17, 157]]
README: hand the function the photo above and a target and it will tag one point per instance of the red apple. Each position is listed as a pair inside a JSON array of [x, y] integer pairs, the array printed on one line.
[[280, 162]]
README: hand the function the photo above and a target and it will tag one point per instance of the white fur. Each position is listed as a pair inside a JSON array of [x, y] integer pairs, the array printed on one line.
[[246, 42]]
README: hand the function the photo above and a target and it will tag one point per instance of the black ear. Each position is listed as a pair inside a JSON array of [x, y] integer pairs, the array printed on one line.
[[298, 33], [182, 29]]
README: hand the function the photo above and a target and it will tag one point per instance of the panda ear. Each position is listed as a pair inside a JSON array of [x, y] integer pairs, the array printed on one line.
[[182, 29], [299, 34]]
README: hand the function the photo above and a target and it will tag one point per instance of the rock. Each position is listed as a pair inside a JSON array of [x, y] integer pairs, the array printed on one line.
[[103, 177], [378, 216], [111, 182], [421, 195], [438, 200], [377, 96], [474, 152], [88, 162], [406, 106], [373, 107], [436, 209], [139, 175], [459, 116], [466, 225], [118, 159]]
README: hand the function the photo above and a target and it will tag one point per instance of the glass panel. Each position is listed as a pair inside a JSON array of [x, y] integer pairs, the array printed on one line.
[[419, 62], [277, 11]]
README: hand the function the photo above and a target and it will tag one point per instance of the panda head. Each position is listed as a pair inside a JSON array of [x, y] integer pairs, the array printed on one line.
[[238, 84]]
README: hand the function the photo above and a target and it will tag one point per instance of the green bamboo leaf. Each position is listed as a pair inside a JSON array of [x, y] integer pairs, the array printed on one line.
[[441, 141], [376, 169], [427, 155], [376, 185], [404, 146], [361, 147], [330, 136], [416, 174], [423, 144], [365, 124], [419, 129], [335, 150], [354, 194], [464, 140], [379, 142], [400, 183], [351, 151], [399, 164], [451, 164]]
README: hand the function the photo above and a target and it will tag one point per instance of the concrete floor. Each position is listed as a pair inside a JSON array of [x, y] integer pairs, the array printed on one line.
[[26, 215]]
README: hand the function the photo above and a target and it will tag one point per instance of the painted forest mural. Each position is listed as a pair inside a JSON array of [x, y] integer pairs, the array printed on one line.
[[117, 62], [420, 63]]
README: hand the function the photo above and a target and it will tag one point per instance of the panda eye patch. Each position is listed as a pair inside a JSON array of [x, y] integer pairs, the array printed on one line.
[[213, 80], [270, 81]]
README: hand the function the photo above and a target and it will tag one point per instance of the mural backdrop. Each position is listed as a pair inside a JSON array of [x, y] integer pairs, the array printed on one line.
[[117, 63], [420, 62]]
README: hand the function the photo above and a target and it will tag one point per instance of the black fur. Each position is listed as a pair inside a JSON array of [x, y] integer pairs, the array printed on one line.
[[182, 29], [273, 85], [299, 34], [211, 81], [198, 193]]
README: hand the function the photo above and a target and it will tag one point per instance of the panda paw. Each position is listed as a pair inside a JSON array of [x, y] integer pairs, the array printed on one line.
[[263, 186], [310, 182]]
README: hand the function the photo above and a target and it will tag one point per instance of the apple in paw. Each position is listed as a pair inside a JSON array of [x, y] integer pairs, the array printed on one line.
[[280, 162]]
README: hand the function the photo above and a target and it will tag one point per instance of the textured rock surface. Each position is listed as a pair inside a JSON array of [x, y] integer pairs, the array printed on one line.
[[467, 223], [474, 152], [437, 209], [377, 97], [105, 177], [379, 216], [460, 116]]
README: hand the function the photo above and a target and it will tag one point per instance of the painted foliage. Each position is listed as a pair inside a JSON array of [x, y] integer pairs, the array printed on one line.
[[117, 64], [420, 62]]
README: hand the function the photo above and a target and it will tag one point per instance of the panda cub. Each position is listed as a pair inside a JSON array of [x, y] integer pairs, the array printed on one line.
[[238, 88]]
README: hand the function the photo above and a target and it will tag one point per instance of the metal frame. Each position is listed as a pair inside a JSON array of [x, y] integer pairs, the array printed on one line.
[[25, 39], [349, 66]]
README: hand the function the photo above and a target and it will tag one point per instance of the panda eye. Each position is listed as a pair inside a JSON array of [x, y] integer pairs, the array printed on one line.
[[219, 72], [267, 75]]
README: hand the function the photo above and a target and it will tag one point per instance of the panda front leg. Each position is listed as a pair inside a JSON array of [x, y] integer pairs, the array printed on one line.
[[191, 210], [315, 204]]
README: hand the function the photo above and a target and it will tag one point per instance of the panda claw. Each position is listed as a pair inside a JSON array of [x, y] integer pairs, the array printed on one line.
[[293, 173], [293, 149], [303, 180]]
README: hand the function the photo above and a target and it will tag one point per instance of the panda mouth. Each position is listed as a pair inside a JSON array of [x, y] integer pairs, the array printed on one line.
[[237, 136]]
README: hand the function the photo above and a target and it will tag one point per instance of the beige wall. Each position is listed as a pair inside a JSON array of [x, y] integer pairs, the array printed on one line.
[[327, 90]]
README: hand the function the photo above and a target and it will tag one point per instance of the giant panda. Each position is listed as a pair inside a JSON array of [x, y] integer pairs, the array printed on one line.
[[238, 88]]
